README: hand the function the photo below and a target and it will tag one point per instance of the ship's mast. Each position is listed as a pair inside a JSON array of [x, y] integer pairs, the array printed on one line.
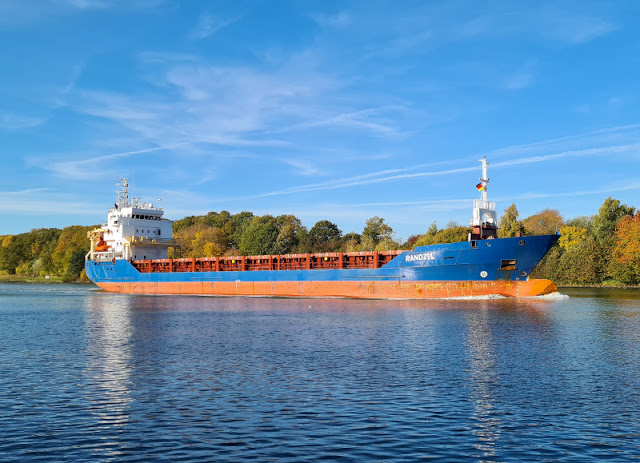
[[485, 220], [123, 195], [484, 179]]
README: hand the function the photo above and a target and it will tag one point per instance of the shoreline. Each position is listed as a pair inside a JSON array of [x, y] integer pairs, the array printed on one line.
[[52, 280]]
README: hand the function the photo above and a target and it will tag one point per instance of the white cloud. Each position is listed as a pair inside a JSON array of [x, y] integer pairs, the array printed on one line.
[[20, 12], [11, 121], [42, 201], [340, 19], [524, 77], [369, 119], [303, 167], [547, 20], [208, 25]]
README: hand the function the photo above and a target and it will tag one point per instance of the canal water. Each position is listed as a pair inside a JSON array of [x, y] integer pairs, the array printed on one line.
[[87, 375]]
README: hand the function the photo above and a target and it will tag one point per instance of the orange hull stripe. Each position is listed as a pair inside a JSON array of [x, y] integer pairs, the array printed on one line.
[[353, 289]]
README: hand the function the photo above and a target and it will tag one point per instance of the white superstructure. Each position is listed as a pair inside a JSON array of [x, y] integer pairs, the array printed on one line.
[[484, 211], [135, 230]]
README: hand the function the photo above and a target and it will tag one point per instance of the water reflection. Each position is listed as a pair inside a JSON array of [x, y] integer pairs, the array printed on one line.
[[483, 378], [109, 335]]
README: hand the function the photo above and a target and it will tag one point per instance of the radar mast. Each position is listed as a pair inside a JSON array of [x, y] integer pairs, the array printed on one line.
[[485, 219]]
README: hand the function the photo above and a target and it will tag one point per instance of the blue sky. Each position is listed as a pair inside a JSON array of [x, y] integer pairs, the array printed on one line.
[[327, 110]]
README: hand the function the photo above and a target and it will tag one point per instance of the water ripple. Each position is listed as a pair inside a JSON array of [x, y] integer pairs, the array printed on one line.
[[86, 375]]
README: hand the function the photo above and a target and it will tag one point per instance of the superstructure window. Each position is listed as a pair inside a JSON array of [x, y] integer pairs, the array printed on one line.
[[508, 264]]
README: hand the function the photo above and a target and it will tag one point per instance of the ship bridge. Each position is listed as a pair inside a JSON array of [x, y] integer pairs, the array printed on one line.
[[134, 230]]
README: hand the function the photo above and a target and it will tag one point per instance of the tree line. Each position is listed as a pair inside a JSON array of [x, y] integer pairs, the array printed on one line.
[[223, 233], [599, 249], [45, 251]]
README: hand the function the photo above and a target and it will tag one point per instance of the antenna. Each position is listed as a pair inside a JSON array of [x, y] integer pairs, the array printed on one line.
[[123, 195], [484, 179]]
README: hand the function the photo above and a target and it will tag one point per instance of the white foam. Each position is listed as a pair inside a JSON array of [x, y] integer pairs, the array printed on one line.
[[555, 296], [485, 297]]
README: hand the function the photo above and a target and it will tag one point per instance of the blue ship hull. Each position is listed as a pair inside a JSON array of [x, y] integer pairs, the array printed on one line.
[[491, 266]]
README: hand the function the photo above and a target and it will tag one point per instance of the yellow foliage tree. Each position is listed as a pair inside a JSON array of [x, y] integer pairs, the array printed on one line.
[[209, 242], [571, 236]]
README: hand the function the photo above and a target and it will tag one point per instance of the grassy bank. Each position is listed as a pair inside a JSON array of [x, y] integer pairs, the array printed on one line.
[[5, 278]]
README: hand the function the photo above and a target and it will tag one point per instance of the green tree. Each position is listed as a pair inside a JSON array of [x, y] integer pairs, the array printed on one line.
[[236, 226], [350, 242], [375, 230], [324, 236], [387, 244], [259, 237], [214, 219], [611, 211], [549, 267], [510, 225], [447, 235], [186, 222], [585, 222], [290, 233], [579, 261]]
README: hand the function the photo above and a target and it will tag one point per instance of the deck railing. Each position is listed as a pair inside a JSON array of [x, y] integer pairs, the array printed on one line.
[[318, 261]]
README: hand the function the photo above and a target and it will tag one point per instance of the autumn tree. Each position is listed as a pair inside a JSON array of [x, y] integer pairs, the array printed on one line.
[[411, 242], [545, 222], [208, 242], [571, 236], [510, 225], [10, 254], [186, 238], [625, 253], [68, 257]]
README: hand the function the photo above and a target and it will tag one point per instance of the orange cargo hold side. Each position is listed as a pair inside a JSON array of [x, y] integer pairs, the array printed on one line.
[[351, 289]]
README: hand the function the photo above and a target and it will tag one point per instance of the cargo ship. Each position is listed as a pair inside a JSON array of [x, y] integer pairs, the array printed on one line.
[[129, 254]]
